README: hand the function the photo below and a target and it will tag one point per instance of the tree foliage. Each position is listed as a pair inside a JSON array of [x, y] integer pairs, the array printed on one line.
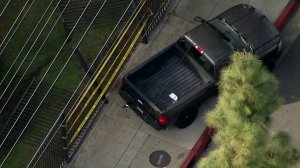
[[247, 96]]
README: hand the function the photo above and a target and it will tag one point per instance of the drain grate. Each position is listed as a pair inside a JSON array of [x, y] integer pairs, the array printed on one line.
[[160, 158]]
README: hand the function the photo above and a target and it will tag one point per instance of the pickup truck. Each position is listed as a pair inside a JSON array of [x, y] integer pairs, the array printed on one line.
[[169, 86]]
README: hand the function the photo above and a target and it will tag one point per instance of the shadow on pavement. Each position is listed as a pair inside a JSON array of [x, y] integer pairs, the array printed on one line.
[[288, 73]]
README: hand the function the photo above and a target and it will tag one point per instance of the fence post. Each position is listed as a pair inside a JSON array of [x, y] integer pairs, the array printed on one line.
[[83, 63]]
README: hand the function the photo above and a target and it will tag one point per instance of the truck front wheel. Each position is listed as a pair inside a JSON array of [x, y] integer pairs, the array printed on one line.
[[186, 118]]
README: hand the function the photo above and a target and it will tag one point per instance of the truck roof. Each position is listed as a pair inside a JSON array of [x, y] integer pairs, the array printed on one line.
[[210, 41]]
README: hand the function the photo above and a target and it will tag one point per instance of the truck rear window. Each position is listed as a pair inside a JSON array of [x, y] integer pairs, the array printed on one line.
[[230, 35], [191, 51]]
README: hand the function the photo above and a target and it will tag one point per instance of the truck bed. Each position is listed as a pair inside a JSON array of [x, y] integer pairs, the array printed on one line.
[[171, 72]]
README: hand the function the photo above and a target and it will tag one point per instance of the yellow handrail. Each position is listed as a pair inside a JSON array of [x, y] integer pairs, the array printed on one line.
[[108, 84], [104, 64], [105, 76]]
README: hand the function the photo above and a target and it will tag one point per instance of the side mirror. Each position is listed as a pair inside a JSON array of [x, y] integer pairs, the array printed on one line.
[[199, 19]]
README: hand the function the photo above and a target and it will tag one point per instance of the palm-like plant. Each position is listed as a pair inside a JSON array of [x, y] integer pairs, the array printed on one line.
[[247, 97]]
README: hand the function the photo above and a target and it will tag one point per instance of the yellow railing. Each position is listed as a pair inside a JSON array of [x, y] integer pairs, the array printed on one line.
[[102, 67], [105, 76], [147, 14]]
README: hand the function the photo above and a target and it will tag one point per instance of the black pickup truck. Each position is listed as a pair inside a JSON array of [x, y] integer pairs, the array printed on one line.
[[168, 87]]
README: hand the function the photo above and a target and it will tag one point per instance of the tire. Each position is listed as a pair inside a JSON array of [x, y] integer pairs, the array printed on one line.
[[270, 64], [186, 118], [271, 59]]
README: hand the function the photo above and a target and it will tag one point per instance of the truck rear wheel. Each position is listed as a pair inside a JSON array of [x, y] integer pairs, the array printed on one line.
[[270, 64], [186, 118]]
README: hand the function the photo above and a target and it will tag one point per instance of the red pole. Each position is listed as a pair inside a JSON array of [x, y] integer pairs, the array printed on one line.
[[198, 148], [286, 14]]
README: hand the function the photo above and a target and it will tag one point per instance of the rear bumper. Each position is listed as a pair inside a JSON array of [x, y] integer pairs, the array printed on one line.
[[146, 116]]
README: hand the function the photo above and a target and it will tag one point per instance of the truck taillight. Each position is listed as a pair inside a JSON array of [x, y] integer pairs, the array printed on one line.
[[163, 120], [199, 49], [122, 84]]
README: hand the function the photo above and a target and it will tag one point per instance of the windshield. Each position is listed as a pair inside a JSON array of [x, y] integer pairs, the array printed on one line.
[[191, 51], [230, 35]]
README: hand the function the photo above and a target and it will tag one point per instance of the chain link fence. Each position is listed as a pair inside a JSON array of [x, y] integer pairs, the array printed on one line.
[[55, 133]]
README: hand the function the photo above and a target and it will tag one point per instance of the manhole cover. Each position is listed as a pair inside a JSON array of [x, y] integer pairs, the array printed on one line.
[[160, 158]]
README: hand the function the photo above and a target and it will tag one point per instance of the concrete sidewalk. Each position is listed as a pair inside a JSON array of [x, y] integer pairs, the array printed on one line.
[[286, 118], [119, 138]]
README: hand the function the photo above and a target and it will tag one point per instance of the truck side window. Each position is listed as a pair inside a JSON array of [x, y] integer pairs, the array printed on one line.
[[197, 56]]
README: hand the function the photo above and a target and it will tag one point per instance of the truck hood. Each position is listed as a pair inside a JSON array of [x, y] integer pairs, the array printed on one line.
[[256, 28]]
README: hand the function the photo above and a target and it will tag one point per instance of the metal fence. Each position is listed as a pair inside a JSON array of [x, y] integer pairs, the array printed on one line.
[[29, 127], [110, 14], [160, 8], [57, 141]]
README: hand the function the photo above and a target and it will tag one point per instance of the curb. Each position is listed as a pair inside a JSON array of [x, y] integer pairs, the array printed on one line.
[[199, 147], [286, 14]]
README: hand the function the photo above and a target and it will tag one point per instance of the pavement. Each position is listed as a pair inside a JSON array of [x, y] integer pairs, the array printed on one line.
[[287, 71], [120, 139]]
